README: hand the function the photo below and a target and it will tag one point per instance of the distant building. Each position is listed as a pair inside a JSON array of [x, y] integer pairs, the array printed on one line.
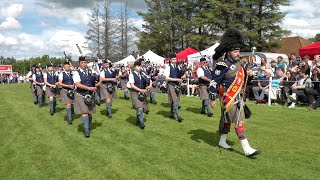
[[291, 45]]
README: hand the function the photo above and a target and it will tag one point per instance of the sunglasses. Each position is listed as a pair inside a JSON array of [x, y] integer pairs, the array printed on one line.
[[205, 62]]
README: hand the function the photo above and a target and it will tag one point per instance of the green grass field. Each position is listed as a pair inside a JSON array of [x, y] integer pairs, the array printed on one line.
[[34, 145]]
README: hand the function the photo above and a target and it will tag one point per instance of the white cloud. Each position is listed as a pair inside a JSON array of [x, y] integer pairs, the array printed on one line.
[[302, 18], [77, 16], [10, 23], [13, 10], [25, 45]]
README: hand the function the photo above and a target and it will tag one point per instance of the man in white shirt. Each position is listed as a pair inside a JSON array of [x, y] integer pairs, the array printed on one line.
[[84, 96], [205, 76]]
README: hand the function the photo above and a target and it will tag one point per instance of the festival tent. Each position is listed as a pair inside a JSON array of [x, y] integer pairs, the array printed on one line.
[[153, 58], [128, 60], [205, 53], [310, 50], [183, 55]]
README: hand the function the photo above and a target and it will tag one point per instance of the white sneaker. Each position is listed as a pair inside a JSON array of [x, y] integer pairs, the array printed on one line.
[[223, 142], [292, 105], [248, 151]]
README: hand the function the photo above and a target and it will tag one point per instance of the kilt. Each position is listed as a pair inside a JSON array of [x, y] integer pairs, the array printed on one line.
[[172, 96], [81, 107], [33, 89], [137, 103], [235, 114], [104, 94], [123, 83], [39, 90], [203, 90], [64, 97], [49, 93]]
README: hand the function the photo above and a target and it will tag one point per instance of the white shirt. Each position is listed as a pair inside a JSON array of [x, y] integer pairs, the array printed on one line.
[[131, 78], [166, 72], [76, 77], [102, 74], [34, 76], [29, 74], [45, 75], [200, 72], [61, 75]]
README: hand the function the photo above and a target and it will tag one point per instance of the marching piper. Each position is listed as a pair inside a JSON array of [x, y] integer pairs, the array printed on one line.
[[67, 91], [84, 95], [50, 80], [38, 81], [229, 79]]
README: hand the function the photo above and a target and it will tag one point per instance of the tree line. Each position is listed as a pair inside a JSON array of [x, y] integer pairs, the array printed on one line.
[[172, 25]]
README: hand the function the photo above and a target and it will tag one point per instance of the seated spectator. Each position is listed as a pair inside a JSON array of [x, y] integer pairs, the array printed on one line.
[[263, 87], [304, 65], [281, 64], [293, 66], [288, 80], [299, 87], [313, 93], [251, 82]]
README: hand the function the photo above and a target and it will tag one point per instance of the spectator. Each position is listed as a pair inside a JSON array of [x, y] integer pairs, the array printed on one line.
[[263, 87], [299, 87], [314, 92], [281, 64], [304, 65], [288, 81]]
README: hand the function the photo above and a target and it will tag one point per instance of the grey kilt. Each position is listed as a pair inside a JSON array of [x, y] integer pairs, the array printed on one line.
[[104, 94], [172, 96], [64, 97], [39, 90], [49, 93], [32, 89], [123, 83], [137, 103], [235, 114], [203, 90], [81, 107]]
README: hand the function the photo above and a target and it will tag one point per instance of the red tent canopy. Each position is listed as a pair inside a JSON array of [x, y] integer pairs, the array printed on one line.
[[183, 55], [310, 50]]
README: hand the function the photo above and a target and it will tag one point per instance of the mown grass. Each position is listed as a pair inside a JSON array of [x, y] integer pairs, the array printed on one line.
[[34, 145]]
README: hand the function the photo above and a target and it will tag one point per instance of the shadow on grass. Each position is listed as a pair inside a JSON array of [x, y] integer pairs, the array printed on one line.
[[194, 110], [123, 98], [163, 113], [132, 120], [166, 105], [59, 109], [104, 111], [94, 124], [211, 138]]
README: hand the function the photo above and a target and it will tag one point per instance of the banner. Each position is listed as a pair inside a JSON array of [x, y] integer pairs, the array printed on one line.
[[5, 69]]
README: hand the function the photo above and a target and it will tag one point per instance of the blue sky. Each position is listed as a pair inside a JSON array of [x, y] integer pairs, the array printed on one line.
[[30, 28]]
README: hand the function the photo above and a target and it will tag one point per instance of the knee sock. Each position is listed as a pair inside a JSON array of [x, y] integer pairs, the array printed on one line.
[[69, 114], [108, 105], [140, 116], [86, 122], [51, 105]]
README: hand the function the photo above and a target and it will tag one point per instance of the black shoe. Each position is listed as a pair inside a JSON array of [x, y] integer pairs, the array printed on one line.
[[69, 122], [98, 104], [154, 102], [209, 114], [87, 133], [147, 112], [203, 112], [254, 154], [109, 116], [142, 126], [179, 107], [180, 119], [35, 103], [171, 117]]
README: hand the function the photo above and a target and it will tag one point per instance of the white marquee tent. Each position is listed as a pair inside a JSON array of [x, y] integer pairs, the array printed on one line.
[[207, 53], [130, 59], [153, 57]]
